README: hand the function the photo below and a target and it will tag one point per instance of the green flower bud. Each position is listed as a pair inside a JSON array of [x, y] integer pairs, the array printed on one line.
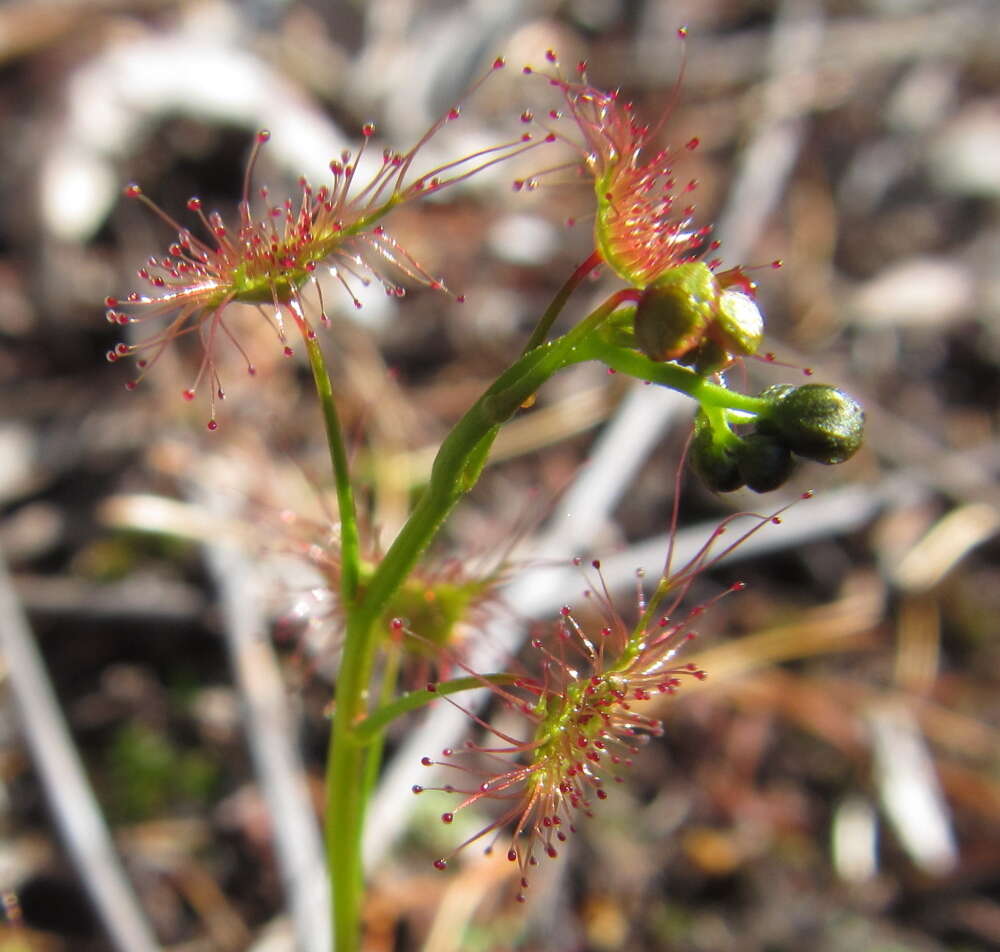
[[774, 394], [714, 460], [740, 324], [675, 311], [765, 463], [816, 421]]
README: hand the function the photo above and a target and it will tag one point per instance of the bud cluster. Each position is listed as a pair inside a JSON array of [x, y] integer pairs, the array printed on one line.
[[815, 421], [696, 317]]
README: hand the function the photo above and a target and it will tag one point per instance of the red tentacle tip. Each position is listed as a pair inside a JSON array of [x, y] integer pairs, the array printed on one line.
[[499, 63], [263, 135], [682, 33], [440, 864], [132, 190]]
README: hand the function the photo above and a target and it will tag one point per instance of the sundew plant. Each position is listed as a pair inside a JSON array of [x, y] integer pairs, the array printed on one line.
[[679, 318]]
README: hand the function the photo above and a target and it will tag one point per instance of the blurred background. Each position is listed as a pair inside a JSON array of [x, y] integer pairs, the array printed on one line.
[[834, 785]]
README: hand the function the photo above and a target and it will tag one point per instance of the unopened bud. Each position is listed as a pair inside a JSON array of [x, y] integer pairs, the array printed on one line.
[[765, 463], [714, 460], [816, 421], [675, 311], [776, 392], [740, 324]]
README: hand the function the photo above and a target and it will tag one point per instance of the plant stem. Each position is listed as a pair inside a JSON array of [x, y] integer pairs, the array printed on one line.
[[635, 364], [541, 331], [465, 444], [345, 761], [355, 743], [373, 755], [379, 719], [350, 549], [456, 468]]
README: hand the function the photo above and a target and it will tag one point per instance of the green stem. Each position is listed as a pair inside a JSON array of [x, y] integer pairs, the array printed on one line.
[[389, 676], [345, 762], [457, 466], [462, 452], [541, 331], [637, 365], [345, 775], [376, 722], [350, 548]]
